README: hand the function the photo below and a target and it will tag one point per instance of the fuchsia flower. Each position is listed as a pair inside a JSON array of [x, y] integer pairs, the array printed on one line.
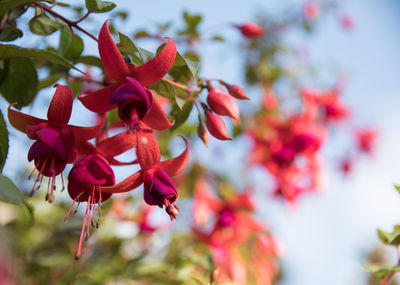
[[135, 103], [155, 175], [90, 172], [55, 144], [366, 139], [251, 30]]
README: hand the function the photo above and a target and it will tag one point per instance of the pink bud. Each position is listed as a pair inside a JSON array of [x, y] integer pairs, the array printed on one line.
[[222, 104], [251, 30], [236, 91], [216, 126]]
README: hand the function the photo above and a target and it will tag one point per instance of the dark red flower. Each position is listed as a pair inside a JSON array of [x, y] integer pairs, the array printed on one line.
[[134, 102], [55, 139], [251, 30]]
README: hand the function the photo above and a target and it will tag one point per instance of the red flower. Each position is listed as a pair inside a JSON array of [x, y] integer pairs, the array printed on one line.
[[155, 175], [222, 104], [55, 139], [134, 102], [216, 126], [311, 10]]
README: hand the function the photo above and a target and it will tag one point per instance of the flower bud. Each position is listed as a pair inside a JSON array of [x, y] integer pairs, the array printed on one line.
[[202, 133], [216, 126], [251, 30], [222, 104], [236, 91]]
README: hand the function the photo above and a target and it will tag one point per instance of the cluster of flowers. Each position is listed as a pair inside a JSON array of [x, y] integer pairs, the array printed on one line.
[[289, 147], [91, 178], [233, 226]]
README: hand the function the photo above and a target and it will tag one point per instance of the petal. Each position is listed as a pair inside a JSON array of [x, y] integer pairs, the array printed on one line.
[[154, 70], [60, 107], [52, 138], [127, 185], [110, 56], [39, 150], [147, 151], [156, 119], [117, 144], [20, 120], [87, 133], [175, 165], [99, 100]]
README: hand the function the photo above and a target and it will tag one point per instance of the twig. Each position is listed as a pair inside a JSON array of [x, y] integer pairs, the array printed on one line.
[[65, 20]]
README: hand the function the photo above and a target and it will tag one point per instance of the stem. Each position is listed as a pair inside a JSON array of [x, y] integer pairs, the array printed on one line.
[[83, 18], [391, 275], [180, 86], [65, 20]]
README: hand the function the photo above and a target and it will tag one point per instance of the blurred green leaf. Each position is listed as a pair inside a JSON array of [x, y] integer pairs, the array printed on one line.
[[44, 25], [165, 89], [50, 80], [10, 51], [180, 115], [99, 6], [218, 38], [397, 188], [75, 48], [9, 193], [10, 34], [89, 60], [6, 5], [380, 270], [65, 40], [23, 71], [3, 142], [192, 22]]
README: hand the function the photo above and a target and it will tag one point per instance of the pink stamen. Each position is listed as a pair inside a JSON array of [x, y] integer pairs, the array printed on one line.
[[78, 252], [70, 209], [30, 175]]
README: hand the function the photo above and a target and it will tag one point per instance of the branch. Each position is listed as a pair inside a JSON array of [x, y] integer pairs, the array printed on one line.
[[65, 20]]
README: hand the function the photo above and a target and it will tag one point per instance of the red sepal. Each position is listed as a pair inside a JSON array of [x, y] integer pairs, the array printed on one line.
[[110, 56], [127, 185], [117, 144], [147, 151], [156, 119], [99, 100], [155, 69], [20, 120], [176, 165], [60, 107]]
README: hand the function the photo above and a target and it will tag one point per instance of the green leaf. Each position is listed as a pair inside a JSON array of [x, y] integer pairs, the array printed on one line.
[[44, 25], [218, 38], [380, 270], [75, 48], [10, 34], [99, 6], [6, 5], [9, 193], [65, 40], [50, 80], [164, 89], [21, 71], [184, 69], [384, 236], [3, 142], [9, 51], [76, 86], [180, 101], [180, 116], [397, 188], [192, 21], [127, 46], [89, 60]]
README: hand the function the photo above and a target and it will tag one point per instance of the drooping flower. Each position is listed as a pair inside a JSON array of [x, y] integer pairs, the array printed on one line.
[[135, 103], [311, 10], [55, 140], [91, 171], [155, 175]]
